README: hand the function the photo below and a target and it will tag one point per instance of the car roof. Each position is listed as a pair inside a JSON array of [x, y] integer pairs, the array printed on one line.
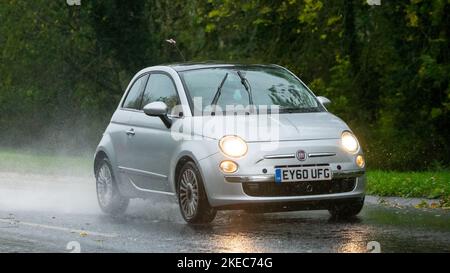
[[179, 67]]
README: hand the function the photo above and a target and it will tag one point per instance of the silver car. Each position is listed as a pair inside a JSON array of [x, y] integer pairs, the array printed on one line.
[[228, 136]]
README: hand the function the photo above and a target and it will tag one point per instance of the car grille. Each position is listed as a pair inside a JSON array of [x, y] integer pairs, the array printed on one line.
[[271, 189]]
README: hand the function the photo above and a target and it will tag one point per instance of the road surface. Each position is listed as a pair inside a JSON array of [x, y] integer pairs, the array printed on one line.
[[44, 213]]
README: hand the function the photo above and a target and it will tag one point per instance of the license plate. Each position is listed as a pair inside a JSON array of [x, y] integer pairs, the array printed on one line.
[[297, 174]]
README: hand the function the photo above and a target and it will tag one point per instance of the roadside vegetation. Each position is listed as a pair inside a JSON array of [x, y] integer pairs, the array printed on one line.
[[30, 162], [427, 184], [386, 68]]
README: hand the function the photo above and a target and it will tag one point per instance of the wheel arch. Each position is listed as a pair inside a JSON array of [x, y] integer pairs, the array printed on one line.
[[182, 159], [194, 151], [179, 165], [103, 153], [99, 155]]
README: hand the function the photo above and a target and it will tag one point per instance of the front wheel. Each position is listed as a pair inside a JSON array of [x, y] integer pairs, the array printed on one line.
[[346, 209], [192, 197], [109, 198]]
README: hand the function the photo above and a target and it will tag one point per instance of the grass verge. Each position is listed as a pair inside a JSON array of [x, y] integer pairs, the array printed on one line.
[[39, 163], [431, 184]]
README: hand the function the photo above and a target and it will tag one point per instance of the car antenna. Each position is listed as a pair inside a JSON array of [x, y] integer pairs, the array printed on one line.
[[174, 43]]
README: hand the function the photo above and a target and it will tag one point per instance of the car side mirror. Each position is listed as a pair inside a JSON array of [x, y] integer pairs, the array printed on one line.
[[323, 100], [158, 109]]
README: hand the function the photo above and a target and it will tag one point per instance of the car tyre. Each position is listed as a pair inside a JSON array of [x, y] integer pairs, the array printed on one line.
[[346, 209], [192, 197], [109, 198]]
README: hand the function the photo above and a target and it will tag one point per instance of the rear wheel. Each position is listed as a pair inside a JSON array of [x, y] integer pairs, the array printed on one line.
[[192, 197], [109, 198], [346, 209]]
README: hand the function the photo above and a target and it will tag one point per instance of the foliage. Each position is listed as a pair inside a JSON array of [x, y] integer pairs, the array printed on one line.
[[385, 68], [434, 184]]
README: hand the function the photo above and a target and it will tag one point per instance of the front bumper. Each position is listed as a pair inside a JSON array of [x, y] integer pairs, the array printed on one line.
[[232, 191], [271, 177]]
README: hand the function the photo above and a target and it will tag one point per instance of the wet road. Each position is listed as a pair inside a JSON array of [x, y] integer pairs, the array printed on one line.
[[44, 213]]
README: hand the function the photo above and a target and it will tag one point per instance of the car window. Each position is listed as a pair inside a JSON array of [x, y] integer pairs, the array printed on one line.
[[268, 86], [160, 87], [134, 97]]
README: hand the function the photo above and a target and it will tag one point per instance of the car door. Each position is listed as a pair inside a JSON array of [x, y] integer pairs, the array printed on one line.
[[152, 144], [121, 130]]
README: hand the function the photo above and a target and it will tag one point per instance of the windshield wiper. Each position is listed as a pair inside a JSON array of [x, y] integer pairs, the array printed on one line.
[[244, 82], [219, 90], [247, 86]]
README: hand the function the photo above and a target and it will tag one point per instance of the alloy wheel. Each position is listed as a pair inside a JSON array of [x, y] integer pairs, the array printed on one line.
[[104, 185], [189, 195]]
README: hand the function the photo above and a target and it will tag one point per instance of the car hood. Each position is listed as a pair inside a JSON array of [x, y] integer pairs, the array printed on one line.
[[282, 127]]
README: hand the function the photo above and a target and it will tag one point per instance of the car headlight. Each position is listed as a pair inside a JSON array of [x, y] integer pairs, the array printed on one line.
[[349, 142], [233, 146]]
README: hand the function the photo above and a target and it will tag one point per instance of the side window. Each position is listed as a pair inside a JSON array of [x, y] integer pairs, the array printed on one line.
[[133, 99], [160, 88]]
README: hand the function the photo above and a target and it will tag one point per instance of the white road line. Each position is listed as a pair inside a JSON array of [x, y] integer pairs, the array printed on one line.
[[80, 231]]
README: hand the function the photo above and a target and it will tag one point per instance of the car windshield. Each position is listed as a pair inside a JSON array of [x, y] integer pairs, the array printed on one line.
[[248, 85]]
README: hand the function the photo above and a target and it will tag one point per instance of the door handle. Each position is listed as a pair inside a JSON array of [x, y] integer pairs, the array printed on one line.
[[130, 132]]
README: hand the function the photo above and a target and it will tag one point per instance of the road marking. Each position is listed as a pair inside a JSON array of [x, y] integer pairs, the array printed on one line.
[[79, 231]]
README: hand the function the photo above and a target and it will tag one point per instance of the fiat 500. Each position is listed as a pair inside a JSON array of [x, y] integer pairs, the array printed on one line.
[[228, 136]]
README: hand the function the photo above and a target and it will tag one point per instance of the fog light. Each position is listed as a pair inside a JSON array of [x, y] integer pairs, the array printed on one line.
[[360, 161], [228, 166]]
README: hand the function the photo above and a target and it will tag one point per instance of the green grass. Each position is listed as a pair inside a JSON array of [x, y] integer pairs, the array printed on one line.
[[41, 163], [409, 184]]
